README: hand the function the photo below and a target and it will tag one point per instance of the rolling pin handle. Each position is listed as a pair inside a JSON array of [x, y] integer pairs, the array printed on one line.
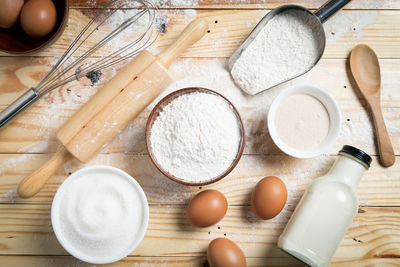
[[190, 35], [32, 184]]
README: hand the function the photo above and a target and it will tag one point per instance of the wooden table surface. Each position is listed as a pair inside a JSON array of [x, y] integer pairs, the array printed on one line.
[[26, 235]]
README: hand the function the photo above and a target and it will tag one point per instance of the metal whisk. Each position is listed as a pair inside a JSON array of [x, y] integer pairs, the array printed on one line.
[[72, 65]]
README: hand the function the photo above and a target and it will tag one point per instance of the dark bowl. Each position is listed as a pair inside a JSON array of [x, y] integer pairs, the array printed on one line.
[[158, 109], [15, 41]]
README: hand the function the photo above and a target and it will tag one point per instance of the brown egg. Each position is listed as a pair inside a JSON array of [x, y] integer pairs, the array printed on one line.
[[38, 17], [222, 252], [9, 12], [268, 197], [206, 208]]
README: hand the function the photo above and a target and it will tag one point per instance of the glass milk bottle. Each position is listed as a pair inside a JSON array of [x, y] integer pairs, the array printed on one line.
[[326, 210]]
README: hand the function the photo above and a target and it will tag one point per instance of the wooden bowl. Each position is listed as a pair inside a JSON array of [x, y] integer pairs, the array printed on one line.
[[15, 41], [159, 108]]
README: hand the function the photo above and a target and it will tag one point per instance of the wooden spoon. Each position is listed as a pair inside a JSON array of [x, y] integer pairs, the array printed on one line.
[[365, 68]]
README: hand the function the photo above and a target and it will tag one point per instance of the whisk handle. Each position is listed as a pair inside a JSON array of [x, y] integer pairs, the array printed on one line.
[[191, 34], [18, 106]]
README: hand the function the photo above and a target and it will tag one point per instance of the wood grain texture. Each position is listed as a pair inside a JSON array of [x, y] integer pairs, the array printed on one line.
[[31, 135], [62, 261], [34, 131], [17, 75], [26, 237], [378, 186], [256, 4], [228, 28], [26, 229]]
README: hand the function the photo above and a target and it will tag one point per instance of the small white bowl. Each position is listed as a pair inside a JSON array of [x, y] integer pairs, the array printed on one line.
[[334, 116], [107, 258]]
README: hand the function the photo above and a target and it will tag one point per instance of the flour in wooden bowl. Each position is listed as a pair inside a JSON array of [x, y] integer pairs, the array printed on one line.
[[196, 137]]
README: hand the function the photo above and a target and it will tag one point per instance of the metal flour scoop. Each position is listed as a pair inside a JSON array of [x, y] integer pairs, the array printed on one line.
[[320, 16]]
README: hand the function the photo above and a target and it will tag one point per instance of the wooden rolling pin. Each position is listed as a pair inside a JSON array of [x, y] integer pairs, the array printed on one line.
[[111, 109]]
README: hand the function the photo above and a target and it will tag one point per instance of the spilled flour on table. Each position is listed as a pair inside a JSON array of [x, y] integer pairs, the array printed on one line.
[[361, 130], [91, 3], [11, 163], [135, 30], [9, 197], [358, 130], [346, 23], [177, 3], [36, 147]]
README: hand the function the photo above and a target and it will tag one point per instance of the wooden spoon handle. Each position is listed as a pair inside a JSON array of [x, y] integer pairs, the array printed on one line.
[[32, 184], [384, 145]]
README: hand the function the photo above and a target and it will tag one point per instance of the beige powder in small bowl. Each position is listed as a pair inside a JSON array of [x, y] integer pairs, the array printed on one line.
[[302, 121]]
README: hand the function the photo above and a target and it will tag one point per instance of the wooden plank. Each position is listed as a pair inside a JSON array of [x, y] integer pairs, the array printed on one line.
[[34, 131], [18, 74], [355, 4], [62, 261], [228, 28], [379, 186], [374, 233], [372, 262]]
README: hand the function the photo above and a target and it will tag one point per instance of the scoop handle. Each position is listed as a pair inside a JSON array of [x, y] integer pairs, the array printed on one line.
[[32, 184], [190, 35], [330, 8]]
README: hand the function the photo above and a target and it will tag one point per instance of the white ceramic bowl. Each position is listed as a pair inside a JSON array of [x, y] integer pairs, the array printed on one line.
[[334, 116], [107, 258]]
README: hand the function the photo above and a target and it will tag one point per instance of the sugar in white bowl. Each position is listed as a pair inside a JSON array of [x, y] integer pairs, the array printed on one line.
[[100, 214]]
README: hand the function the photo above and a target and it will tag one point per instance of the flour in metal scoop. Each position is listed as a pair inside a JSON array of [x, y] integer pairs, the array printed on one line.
[[285, 48], [196, 137]]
